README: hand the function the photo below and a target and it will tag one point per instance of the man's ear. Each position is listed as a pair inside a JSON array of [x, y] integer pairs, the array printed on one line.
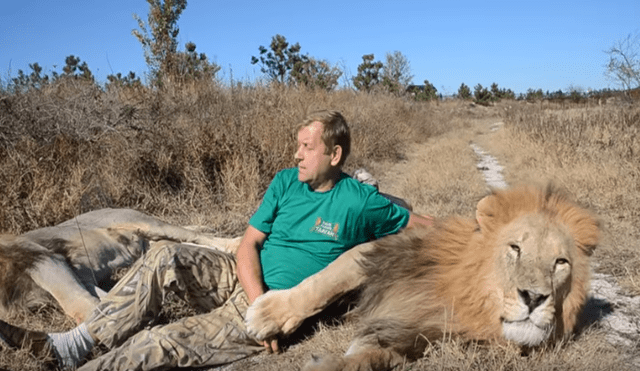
[[336, 155]]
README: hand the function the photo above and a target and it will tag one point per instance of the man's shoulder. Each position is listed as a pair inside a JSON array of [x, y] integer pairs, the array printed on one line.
[[356, 188], [286, 176], [288, 172]]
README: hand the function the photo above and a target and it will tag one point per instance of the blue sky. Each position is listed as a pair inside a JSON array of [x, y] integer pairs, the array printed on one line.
[[547, 45]]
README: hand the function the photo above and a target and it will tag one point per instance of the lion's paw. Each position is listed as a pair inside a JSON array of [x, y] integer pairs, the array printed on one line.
[[324, 363], [273, 314]]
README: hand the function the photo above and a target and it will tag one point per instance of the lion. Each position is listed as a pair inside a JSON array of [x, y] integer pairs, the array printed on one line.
[[74, 261], [517, 273]]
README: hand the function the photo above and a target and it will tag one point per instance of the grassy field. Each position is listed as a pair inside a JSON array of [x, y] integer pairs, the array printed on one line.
[[204, 154]]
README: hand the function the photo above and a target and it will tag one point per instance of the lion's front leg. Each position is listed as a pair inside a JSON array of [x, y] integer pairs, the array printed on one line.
[[281, 312]]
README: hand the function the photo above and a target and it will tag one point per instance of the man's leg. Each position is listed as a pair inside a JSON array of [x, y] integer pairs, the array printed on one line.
[[215, 338], [206, 278]]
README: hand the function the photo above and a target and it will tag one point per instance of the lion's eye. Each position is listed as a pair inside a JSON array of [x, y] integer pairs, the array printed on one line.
[[561, 261], [515, 247]]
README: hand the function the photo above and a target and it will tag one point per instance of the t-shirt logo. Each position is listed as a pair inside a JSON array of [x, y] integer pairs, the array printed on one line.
[[326, 228]]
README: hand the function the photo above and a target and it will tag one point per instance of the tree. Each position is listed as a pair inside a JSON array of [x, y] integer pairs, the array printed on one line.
[[36, 79], [533, 95], [558, 94], [576, 93], [507, 94], [315, 73], [368, 73], [195, 65], [396, 72], [624, 62], [427, 92], [278, 61], [495, 90], [159, 40], [283, 63], [464, 92], [119, 80]]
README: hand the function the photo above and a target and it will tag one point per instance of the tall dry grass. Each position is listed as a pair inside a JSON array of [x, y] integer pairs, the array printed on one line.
[[197, 153]]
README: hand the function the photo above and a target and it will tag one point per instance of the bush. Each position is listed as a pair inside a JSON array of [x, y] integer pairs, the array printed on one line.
[[482, 95], [464, 92]]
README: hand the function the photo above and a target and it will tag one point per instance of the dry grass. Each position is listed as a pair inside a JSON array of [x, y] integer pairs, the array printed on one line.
[[204, 154], [438, 176], [451, 354]]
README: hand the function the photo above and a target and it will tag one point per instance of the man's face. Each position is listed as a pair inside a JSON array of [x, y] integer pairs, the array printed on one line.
[[314, 164]]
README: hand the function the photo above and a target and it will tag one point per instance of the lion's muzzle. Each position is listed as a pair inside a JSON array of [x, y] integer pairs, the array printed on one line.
[[529, 320]]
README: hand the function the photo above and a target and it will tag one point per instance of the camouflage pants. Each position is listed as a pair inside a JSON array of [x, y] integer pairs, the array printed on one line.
[[207, 279]]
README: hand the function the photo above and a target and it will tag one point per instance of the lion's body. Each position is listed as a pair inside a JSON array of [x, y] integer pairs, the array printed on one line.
[[74, 261], [422, 283], [519, 272]]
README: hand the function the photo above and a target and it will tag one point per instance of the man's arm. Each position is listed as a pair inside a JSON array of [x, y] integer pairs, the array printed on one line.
[[249, 268], [250, 273]]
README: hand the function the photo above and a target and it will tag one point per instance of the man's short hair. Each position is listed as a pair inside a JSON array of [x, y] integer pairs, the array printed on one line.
[[335, 131]]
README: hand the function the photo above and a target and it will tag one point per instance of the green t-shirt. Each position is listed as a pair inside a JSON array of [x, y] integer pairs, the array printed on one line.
[[307, 230]]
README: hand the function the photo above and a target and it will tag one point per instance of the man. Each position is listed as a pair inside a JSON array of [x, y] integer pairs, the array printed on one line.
[[308, 217]]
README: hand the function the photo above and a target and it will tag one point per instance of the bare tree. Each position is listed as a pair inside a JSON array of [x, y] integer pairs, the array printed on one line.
[[624, 62], [396, 72]]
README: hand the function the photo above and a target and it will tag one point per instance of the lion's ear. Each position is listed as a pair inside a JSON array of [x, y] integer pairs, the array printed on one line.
[[584, 226], [485, 212]]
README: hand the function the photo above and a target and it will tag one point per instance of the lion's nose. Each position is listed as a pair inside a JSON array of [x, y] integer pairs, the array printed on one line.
[[532, 299]]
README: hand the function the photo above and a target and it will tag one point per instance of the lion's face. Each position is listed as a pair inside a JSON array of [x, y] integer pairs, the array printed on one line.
[[534, 258]]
